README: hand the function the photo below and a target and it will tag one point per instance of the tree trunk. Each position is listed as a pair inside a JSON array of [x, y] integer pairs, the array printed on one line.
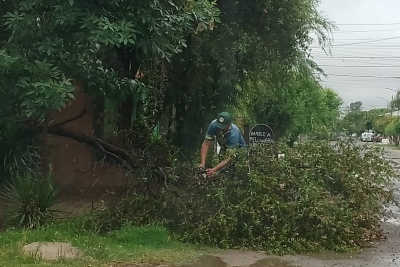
[[293, 138], [45, 146], [98, 116], [130, 64], [125, 114], [275, 132]]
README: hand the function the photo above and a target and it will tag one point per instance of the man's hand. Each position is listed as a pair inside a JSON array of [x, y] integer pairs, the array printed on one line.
[[210, 173], [202, 170]]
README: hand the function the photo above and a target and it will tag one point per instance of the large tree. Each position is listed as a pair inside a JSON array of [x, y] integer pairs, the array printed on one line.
[[256, 49], [184, 60], [103, 44], [357, 121], [47, 46], [356, 106]]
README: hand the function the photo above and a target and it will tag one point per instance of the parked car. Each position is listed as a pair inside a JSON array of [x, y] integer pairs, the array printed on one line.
[[377, 138]]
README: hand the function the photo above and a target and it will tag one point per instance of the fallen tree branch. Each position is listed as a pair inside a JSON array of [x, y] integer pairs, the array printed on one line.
[[80, 115], [127, 159]]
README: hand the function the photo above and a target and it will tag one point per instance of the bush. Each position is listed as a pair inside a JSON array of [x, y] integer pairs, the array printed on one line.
[[16, 151], [29, 201], [320, 196]]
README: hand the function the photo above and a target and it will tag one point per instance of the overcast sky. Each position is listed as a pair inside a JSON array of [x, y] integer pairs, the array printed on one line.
[[366, 50]]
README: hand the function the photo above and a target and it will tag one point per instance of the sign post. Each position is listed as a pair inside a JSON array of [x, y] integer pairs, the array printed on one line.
[[247, 134], [261, 134]]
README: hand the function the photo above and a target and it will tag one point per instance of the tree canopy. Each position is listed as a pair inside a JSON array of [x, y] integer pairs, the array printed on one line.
[[357, 120], [180, 60]]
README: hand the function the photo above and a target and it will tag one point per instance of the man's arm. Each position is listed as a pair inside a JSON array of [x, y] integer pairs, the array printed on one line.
[[206, 144], [203, 153], [242, 142], [221, 165]]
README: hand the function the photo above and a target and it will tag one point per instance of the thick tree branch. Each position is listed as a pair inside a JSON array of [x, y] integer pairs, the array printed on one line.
[[127, 159], [80, 115]]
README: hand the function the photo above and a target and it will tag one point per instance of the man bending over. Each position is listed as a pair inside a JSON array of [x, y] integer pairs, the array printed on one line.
[[228, 136]]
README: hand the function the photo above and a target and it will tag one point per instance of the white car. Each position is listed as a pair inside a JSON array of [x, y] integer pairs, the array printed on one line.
[[366, 137]]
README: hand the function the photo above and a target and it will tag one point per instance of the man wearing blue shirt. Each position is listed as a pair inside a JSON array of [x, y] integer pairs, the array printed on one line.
[[228, 136]]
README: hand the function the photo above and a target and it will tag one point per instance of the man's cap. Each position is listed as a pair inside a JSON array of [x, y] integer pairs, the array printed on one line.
[[223, 119]]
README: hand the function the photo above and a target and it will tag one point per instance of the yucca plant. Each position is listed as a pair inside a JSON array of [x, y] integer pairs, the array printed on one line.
[[29, 200], [17, 153]]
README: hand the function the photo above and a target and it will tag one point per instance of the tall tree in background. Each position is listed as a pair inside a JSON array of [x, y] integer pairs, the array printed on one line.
[[357, 121], [395, 103], [382, 122], [250, 56], [356, 106]]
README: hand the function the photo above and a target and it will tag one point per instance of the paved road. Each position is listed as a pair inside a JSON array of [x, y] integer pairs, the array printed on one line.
[[385, 254]]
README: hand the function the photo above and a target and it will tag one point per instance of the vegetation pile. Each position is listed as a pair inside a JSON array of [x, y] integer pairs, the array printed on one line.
[[320, 196]]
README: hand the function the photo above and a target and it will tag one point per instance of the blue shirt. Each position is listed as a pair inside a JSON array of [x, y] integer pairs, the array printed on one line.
[[233, 136]]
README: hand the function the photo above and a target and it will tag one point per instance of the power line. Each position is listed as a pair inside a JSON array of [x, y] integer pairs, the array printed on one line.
[[370, 60], [383, 45], [387, 48], [361, 66], [355, 52], [321, 62], [368, 82], [371, 81], [364, 53], [358, 80], [366, 24], [358, 39], [351, 52], [385, 30], [350, 58], [363, 76], [367, 39], [362, 57], [366, 85], [365, 82], [359, 44]]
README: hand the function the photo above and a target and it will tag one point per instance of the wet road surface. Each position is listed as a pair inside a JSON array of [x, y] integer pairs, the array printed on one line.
[[385, 254]]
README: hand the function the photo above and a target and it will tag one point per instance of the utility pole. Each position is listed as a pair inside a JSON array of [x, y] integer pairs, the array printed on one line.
[[387, 103], [391, 108], [391, 104]]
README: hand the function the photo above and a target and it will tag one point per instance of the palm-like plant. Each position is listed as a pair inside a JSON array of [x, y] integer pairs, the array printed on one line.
[[395, 103], [29, 201], [17, 153]]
